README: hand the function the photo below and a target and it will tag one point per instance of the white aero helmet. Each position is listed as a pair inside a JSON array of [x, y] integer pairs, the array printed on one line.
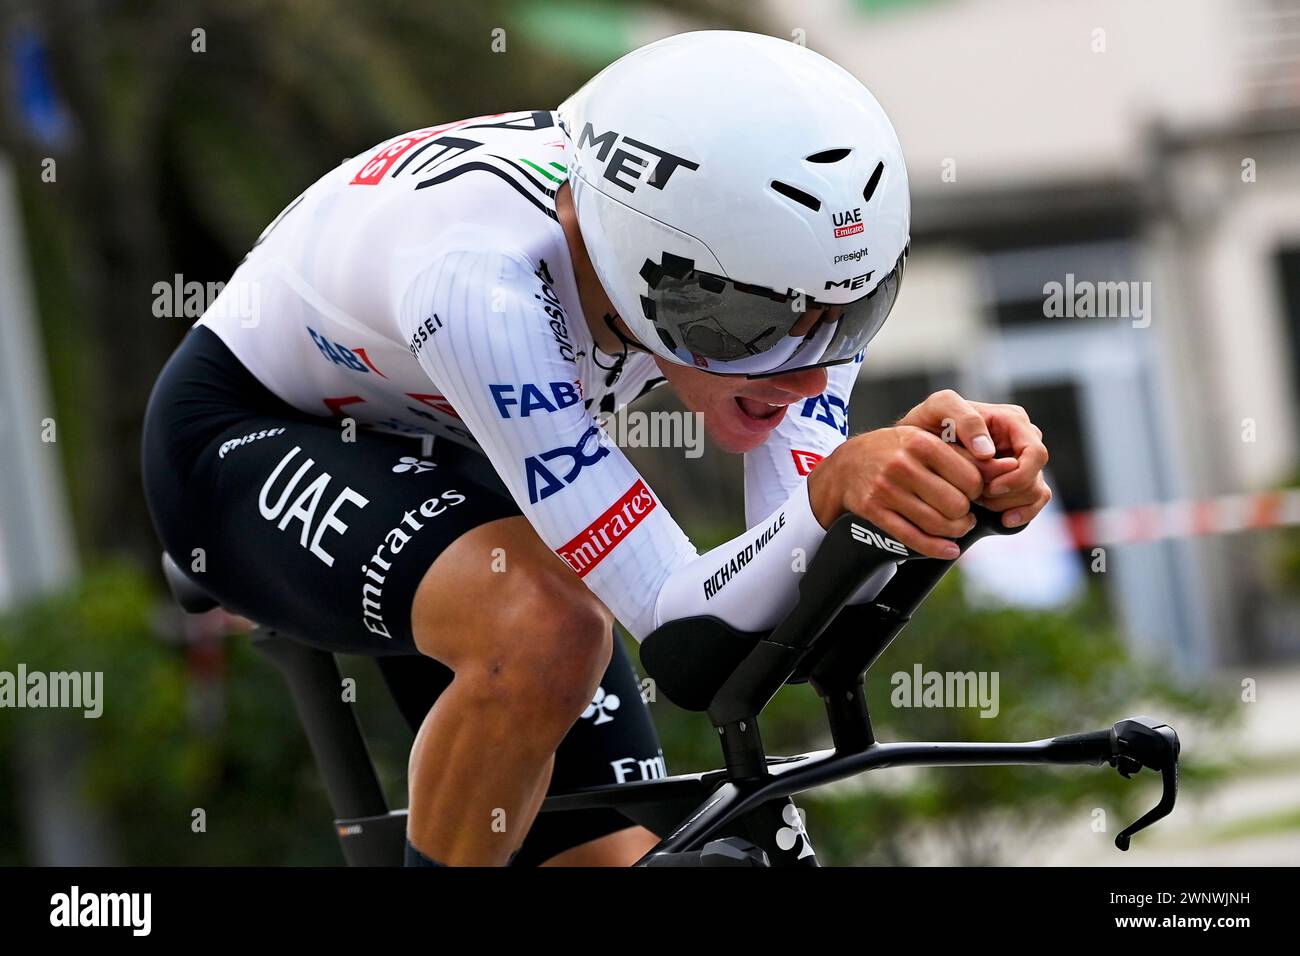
[[732, 187]]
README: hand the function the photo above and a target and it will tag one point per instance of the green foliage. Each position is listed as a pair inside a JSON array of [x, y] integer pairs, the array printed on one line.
[[1287, 549], [1058, 673], [171, 739], [173, 736]]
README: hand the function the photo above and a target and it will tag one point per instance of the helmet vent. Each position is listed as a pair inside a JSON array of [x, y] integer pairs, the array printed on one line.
[[873, 182], [828, 156], [798, 195]]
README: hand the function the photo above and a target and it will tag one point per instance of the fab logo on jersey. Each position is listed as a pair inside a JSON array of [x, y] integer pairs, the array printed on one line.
[[529, 398], [355, 359], [544, 482]]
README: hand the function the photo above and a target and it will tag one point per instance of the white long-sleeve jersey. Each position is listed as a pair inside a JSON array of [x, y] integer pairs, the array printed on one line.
[[425, 288]]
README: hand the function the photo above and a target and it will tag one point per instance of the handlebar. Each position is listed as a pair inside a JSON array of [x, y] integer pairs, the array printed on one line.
[[853, 550], [916, 579], [704, 664], [861, 632]]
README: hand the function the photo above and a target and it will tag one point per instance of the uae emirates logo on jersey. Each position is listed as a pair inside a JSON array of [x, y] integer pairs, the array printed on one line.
[[590, 545], [804, 461]]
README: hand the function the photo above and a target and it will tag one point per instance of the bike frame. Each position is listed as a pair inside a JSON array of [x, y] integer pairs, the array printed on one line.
[[742, 814]]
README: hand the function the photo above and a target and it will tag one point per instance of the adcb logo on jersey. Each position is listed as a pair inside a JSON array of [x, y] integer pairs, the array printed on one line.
[[829, 410], [543, 482], [590, 545]]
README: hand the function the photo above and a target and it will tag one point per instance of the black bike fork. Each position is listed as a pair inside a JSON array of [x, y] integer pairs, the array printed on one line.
[[777, 828]]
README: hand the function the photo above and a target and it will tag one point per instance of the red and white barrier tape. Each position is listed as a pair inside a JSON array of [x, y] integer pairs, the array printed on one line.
[[1180, 519]]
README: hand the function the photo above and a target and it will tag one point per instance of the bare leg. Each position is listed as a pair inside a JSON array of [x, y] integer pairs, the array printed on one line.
[[528, 647], [621, 848]]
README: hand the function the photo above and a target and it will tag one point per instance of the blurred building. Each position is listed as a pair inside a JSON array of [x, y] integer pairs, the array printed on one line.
[[1149, 152], [1154, 146]]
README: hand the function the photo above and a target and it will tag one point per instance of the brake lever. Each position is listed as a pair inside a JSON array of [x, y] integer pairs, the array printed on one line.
[[1138, 742]]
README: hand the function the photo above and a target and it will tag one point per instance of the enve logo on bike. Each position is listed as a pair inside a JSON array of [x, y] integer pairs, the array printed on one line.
[[877, 540]]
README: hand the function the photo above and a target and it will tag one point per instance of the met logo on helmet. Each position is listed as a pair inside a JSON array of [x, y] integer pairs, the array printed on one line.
[[877, 540], [625, 166], [856, 282]]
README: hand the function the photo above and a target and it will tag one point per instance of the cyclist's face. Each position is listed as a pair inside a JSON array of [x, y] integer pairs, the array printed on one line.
[[740, 413]]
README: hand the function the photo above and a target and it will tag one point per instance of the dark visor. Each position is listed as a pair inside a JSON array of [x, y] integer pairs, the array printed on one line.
[[730, 327]]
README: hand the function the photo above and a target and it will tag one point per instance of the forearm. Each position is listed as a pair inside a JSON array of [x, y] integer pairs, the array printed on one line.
[[826, 491], [751, 581]]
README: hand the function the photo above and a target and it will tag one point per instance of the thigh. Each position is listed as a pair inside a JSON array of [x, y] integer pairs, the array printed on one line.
[[325, 539]]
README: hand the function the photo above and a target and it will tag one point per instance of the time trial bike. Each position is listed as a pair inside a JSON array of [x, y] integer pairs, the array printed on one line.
[[741, 814]]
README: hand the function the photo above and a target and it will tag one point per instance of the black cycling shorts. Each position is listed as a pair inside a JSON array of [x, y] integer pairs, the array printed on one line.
[[326, 540]]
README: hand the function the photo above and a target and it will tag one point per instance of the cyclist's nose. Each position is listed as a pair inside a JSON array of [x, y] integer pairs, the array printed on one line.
[[805, 383]]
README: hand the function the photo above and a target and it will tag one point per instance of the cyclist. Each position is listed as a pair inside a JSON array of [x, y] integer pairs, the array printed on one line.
[[724, 213]]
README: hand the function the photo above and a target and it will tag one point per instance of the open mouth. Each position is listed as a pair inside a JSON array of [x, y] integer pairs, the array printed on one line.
[[757, 411]]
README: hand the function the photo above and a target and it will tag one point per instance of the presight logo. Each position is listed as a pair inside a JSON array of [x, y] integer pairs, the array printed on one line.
[[855, 256], [877, 540], [552, 306], [626, 164], [593, 543]]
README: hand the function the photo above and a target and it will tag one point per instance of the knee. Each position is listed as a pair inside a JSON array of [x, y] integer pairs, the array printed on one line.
[[545, 643]]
